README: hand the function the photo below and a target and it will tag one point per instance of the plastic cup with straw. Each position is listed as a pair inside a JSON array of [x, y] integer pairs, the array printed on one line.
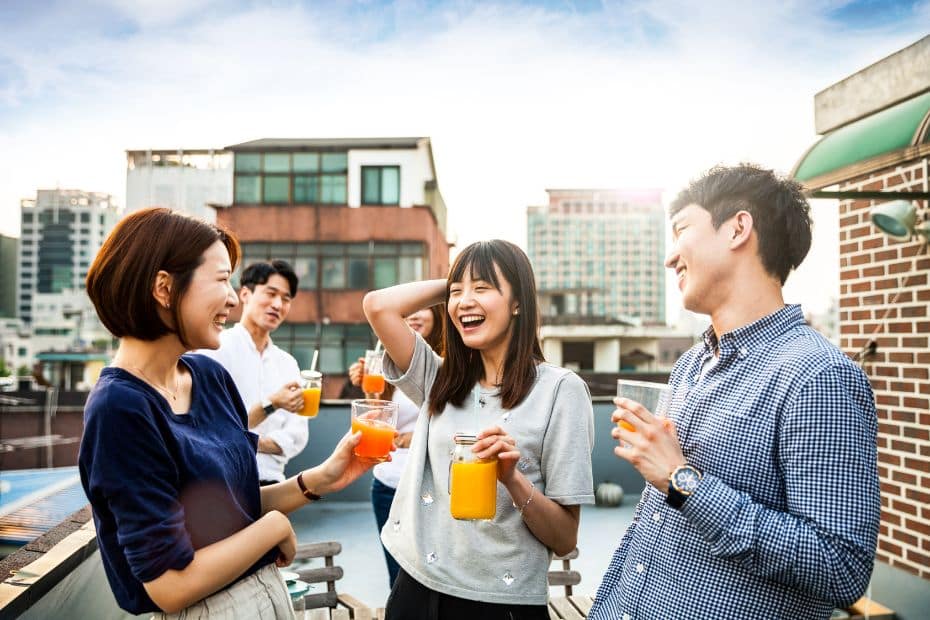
[[312, 388]]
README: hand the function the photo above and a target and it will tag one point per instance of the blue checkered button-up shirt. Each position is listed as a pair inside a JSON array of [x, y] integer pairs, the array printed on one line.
[[785, 519]]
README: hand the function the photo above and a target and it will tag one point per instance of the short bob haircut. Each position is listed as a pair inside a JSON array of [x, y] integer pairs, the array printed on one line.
[[462, 367], [122, 276]]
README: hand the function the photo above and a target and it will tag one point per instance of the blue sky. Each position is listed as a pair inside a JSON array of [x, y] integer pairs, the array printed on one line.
[[516, 96]]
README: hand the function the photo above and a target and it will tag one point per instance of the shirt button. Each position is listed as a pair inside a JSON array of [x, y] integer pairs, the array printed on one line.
[[640, 568], [656, 517]]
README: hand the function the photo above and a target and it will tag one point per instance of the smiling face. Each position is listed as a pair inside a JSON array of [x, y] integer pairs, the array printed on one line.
[[267, 306], [208, 300], [421, 322], [482, 314], [700, 256]]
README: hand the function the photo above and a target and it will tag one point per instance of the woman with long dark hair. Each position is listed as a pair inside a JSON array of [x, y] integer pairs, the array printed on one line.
[[534, 418]]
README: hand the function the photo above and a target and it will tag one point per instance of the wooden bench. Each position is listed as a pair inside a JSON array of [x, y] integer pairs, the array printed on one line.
[[571, 606], [328, 605]]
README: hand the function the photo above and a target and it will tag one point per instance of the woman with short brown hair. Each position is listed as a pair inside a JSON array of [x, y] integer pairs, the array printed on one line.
[[166, 459]]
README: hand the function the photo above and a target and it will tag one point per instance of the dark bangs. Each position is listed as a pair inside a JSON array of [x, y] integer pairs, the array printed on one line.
[[478, 259]]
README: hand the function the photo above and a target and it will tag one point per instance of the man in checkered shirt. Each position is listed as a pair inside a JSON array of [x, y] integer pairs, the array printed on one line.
[[762, 498]]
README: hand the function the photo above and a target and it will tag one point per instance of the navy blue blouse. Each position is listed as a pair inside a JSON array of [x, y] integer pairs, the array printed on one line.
[[163, 485]]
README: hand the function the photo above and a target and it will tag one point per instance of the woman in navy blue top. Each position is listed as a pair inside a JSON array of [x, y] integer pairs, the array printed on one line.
[[167, 459]]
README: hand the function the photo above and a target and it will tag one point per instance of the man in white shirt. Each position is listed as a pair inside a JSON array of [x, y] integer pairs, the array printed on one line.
[[268, 378]]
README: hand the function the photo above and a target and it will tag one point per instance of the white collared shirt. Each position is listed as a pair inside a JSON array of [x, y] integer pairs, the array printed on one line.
[[258, 376]]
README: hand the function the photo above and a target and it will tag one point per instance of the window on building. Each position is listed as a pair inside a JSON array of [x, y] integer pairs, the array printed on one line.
[[334, 272], [27, 218], [85, 218], [345, 266], [248, 189], [380, 185], [291, 178]]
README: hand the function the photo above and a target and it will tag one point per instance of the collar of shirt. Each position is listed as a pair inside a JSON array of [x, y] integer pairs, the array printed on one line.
[[744, 339], [242, 333]]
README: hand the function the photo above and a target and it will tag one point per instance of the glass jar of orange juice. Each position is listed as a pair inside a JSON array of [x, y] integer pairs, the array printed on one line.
[[312, 388], [472, 481]]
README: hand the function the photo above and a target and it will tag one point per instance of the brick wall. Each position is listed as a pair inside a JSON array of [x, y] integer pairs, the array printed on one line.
[[885, 296]]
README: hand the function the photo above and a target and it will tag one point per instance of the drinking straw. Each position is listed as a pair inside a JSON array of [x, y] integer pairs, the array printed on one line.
[[476, 394], [316, 353], [378, 347]]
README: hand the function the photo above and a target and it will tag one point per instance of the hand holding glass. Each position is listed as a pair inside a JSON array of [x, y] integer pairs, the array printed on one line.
[[653, 396], [376, 419], [373, 379]]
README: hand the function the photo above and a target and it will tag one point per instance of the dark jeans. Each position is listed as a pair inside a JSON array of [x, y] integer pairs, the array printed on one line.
[[411, 600], [381, 498]]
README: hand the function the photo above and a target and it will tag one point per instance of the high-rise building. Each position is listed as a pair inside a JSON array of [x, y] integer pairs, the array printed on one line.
[[62, 230], [9, 251], [351, 215], [184, 179], [600, 253]]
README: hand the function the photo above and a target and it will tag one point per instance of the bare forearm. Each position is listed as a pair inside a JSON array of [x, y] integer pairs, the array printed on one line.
[[555, 526], [386, 308], [286, 496], [269, 446], [257, 415], [216, 566]]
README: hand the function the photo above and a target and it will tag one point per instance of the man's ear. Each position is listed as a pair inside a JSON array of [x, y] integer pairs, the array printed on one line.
[[244, 294], [741, 225]]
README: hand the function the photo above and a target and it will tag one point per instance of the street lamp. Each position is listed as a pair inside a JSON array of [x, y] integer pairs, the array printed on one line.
[[898, 219]]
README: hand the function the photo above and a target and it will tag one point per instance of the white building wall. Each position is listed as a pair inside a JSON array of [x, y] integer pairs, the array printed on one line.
[[552, 350], [184, 188], [415, 170], [607, 355]]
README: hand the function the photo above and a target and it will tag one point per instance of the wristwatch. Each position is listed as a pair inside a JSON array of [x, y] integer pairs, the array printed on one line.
[[682, 483], [267, 407]]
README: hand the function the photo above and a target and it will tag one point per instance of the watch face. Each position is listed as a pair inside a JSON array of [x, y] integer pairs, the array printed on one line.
[[686, 479]]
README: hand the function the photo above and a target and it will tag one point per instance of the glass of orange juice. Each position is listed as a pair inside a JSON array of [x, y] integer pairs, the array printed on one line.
[[653, 396], [373, 379], [376, 419], [472, 482], [313, 387]]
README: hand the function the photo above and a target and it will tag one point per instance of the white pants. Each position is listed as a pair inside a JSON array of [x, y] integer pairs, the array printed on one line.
[[260, 596]]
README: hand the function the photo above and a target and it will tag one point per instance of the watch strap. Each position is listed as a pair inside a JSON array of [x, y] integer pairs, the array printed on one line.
[[268, 408]]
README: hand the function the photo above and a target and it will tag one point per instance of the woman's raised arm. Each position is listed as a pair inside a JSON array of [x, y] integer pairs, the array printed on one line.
[[386, 309]]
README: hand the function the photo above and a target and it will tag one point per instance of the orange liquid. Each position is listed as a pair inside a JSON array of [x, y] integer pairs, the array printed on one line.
[[474, 490], [377, 438], [626, 426], [311, 402], [373, 384]]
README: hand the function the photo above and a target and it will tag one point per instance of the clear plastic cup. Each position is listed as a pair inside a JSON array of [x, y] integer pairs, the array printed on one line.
[[377, 420], [373, 378], [653, 396]]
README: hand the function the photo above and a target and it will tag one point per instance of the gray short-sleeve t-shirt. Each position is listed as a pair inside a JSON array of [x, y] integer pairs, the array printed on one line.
[[500, 560]]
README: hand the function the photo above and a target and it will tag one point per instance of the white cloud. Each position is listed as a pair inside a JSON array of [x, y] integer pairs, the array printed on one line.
[[517, 99]]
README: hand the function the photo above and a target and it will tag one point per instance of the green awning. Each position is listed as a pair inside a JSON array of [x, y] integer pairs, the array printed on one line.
[[884, 132]]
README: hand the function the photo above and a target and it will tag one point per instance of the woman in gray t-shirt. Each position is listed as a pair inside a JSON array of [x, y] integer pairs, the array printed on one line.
[[535, 418]]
